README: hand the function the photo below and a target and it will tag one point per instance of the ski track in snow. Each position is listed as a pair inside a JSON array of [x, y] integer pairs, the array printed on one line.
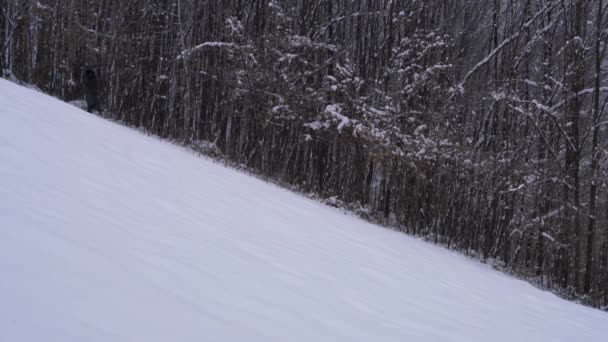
[[109, 235]]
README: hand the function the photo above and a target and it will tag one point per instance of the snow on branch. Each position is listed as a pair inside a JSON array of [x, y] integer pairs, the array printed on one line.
[[188, 52], [333, 112], [301, 41], [587, 91], [542, 218], [336, 112]]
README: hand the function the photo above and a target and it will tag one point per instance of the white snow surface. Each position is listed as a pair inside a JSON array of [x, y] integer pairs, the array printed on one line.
[[109, 235]]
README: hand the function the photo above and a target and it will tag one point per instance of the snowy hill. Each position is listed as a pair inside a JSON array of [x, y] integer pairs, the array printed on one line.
[[109, 235]]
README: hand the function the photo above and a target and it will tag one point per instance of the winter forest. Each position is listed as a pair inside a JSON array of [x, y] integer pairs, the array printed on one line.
[[476, 124]]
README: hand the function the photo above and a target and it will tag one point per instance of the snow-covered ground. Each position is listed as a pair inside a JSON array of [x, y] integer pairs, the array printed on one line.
[[109, 235]]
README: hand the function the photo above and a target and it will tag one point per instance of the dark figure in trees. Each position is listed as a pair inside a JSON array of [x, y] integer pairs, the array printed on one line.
[[91, 90]]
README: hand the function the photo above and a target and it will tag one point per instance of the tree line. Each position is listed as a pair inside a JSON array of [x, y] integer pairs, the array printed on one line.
[[477, 124]]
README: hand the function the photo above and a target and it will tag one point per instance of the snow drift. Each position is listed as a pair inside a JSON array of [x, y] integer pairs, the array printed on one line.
[[109, 235]]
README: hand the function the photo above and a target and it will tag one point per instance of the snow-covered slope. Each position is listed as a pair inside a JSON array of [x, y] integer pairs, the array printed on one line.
[[109, 235]]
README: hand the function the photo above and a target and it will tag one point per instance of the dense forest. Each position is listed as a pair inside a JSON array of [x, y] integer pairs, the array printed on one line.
[[476, 124]]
